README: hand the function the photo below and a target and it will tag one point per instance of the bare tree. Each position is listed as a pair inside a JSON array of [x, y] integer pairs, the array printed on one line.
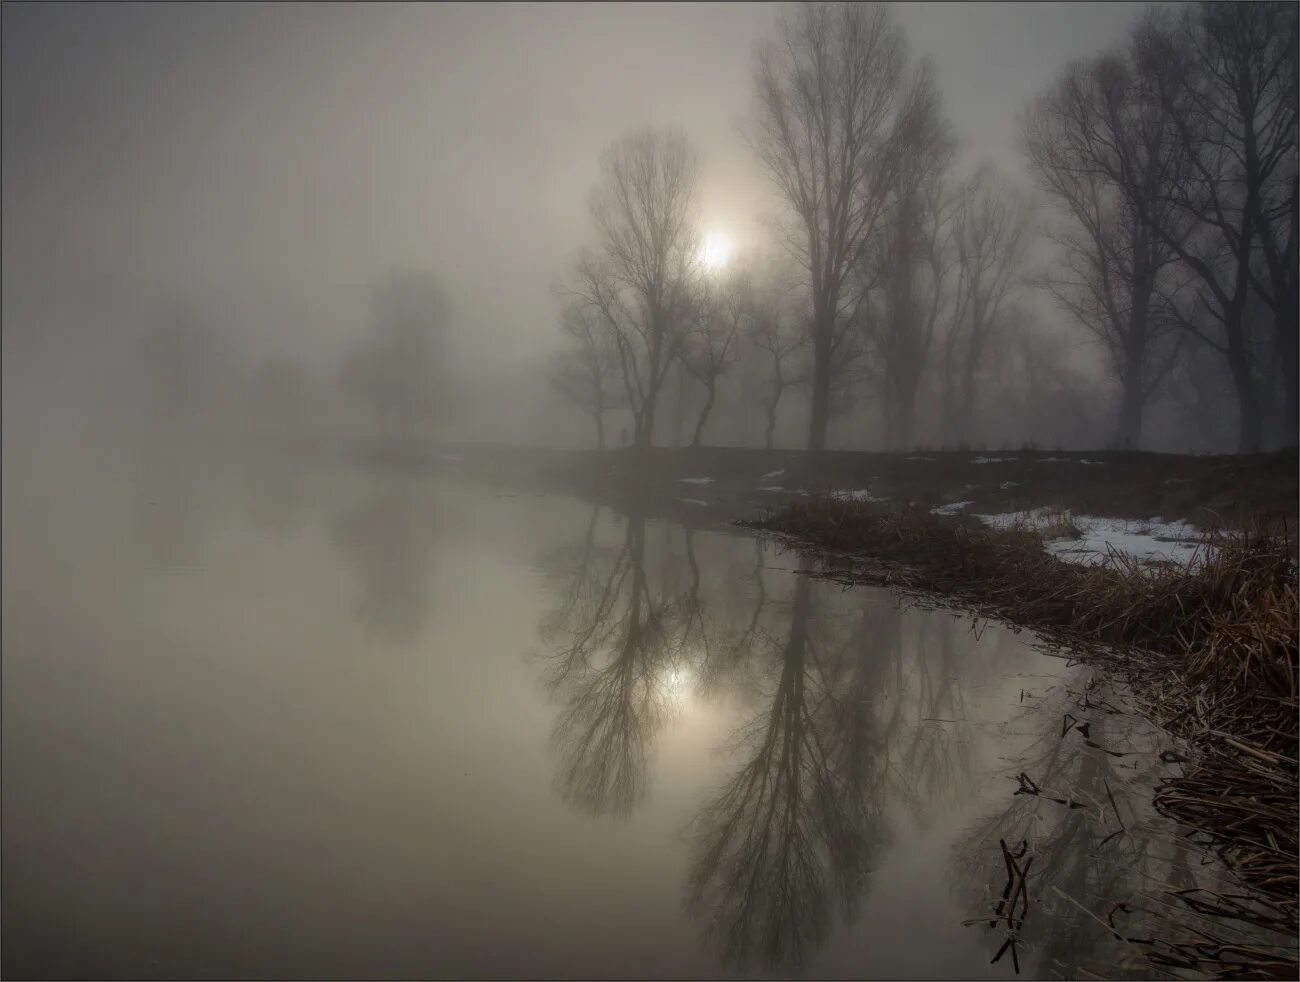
[[1226, 76], [1116, 270], [710, 347], [991, 235], [910, 258], [828, 95], [639, 283], [778, 333], [393, 368], [587, 374]]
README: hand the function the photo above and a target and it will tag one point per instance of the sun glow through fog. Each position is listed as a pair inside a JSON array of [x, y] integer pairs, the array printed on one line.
[[716, 250]]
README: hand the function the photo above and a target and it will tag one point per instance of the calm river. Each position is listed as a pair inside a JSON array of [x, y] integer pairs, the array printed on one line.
[[308, 720]]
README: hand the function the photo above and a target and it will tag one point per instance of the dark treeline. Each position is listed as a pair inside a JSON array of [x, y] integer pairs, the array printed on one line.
[[904, 295]]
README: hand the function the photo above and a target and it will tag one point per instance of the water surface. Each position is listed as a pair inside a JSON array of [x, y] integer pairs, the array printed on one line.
[[279, 719]]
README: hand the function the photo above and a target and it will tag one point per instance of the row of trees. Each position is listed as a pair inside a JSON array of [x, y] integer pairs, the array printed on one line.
[[1173, 162], [1169, 167]]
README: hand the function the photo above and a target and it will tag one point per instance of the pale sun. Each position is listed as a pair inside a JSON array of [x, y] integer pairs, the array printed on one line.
[[716, 250]]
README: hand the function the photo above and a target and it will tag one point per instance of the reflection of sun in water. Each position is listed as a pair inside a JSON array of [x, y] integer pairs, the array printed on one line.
[[677, 683], [716, 250]]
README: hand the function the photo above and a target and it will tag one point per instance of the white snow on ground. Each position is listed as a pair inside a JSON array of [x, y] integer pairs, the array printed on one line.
[[695, 480], [1151, 541], [919, 458], [950, 509], [1009, 484], [694, 501], [862, 494], [771, 474], [774, 487], [1093, 463], [989, 460], [1051, 460]]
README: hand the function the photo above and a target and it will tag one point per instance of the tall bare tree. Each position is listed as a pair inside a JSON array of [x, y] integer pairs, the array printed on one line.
[[587, 373], [775, 329], [639, 281], [991, 233], [710, 347], [909, 261], [829, 91], [1226, 76], [1116, 269]]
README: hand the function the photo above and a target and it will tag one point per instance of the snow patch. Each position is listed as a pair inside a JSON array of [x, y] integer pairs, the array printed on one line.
[[1009, 484], [989, 460], [918, 458], [771, 474], [694, 501], [1147, 541], [774, 487], [1092, 463], [952, 508], [695, 480]]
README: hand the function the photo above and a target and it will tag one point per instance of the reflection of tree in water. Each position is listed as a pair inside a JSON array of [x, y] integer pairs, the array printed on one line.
[[790, 834], [842, 690], [388, 541], [613, 673]]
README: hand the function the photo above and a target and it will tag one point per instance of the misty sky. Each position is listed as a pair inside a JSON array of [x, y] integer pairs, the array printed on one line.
[[276, 160]]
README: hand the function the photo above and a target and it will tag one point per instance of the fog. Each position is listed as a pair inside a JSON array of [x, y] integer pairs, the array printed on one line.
[[261, 171], [423, 425]]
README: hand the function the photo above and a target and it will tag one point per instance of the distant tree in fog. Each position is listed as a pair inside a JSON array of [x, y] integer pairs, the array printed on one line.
[[639, 281], [776, 330], [829, 91], [710, 347], [1225, 75], [393, 368], [1105, 154], [904, 272], [1046, 394], [586, 373], [990, 235]]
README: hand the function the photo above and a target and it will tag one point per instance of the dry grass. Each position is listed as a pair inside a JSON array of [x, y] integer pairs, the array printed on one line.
[[1211, 647]]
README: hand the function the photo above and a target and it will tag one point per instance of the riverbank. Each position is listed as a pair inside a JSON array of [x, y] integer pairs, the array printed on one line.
[[1187, 595], [720, 484], [1209, 646]]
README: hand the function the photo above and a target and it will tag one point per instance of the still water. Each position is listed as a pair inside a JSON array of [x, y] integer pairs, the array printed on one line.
[[274, 719]]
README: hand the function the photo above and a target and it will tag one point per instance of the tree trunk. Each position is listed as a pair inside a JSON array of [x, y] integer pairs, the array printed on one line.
[[947, 405], [600, 429], [643, 424], [1128, 429], [704, 415], [967, 402], [1249, 417], [1287, 350], [821, 387], [905, 414], [771, 427]]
